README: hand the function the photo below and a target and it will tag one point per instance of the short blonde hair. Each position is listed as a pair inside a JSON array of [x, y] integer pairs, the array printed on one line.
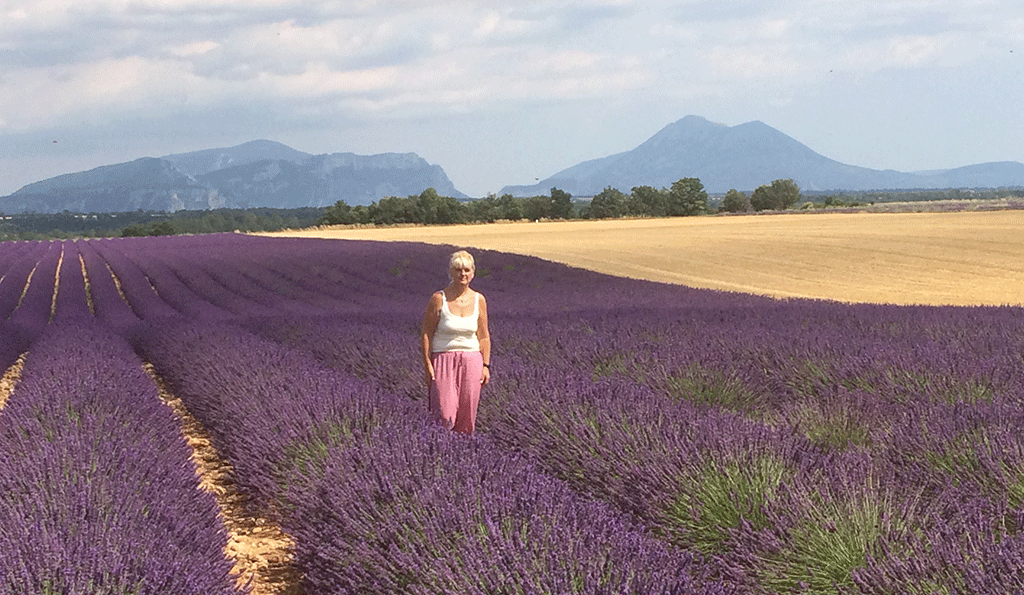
[[461, 259]]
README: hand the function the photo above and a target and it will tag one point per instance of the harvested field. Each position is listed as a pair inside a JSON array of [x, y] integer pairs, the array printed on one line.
[[960, 258]]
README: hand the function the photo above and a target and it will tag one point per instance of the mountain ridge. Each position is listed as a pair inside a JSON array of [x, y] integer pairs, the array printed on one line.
[[267, 173], [259, 173], [746, 156]]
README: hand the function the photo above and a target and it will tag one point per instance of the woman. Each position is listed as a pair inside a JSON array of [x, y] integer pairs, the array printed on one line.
[[457, 347]]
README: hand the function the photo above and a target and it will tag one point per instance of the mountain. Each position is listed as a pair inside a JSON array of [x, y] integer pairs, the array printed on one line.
[[147, 183], [203, 162], [745, 157], [260, 173], [321, 180], [998, 174]]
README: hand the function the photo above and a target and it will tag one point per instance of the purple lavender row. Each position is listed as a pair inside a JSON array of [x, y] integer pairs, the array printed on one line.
[[22, 259], [386, 276], [369, 362], [16, 277], [378, 347], [249, 287], [34, 312], [220, 284], [196, 281], [138, 290], [110, 307], [220, 274], [943, 377], [761, 364], [840, 410], [170, 287], [265, 269], [318, 448], [12, 252], [98, 492], [433, 514], [12, 345], [805, 382], [71, 303], [836, 408], [322, 279], [262, 404], [760, 498]]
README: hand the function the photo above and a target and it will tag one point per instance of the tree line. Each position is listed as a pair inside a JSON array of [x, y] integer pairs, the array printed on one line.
[[686, 197], [66, 224]]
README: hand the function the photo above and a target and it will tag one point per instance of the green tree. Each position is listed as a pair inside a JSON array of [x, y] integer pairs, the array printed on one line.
[[761, 199], [787, 192], [561, 204], [485, 209], [510, 207], [393, 209], [360, 214], [338, 214], [608, 203], [427, 206], [735, 202], [647, 200], [432, 208], [135, 230], [778, 196], [537, 207], [687, 197]]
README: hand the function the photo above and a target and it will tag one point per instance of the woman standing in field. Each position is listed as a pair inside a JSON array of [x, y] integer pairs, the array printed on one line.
[[456, 347]]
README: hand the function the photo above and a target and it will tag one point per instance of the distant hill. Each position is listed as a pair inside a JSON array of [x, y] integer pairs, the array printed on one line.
[[321, 180], [148, 184], [744, 157], [260, 173], [203, 162]]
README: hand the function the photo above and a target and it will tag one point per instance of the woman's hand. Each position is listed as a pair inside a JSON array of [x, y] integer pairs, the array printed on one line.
[[485, 377], [429, 375]]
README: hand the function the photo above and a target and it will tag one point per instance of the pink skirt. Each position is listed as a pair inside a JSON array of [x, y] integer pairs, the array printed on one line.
[[455, 392]]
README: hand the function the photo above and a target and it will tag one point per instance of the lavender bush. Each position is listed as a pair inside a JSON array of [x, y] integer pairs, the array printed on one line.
[[291, 442], [831, 381], [433, 514], [796, 445], [97, 493]]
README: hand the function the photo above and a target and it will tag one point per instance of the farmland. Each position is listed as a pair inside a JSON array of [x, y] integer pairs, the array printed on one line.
[[637, 437], [936, 258]]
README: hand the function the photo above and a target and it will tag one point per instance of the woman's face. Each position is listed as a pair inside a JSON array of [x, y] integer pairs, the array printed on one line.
[[461, 275]]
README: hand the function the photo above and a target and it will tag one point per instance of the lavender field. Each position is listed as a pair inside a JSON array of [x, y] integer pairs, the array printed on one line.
[[636, 438]]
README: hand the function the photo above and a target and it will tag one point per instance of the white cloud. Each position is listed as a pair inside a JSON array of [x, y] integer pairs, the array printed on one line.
[[495, 26], [100, 61], [768, 61], [416, 54], [319, 80], [194, 48], [99, 91], [16, 14]]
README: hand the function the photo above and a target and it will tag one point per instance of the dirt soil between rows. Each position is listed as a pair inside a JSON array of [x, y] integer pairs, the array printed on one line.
[[261, 551]]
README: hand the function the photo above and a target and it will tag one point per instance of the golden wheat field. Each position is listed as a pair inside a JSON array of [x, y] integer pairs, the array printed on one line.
[[960, 258]]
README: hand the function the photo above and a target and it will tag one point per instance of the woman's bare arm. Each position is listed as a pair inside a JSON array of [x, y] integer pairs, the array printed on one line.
[[483, 334], [430, 320]]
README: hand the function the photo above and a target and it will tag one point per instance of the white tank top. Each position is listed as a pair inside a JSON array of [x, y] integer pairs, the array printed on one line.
[[456, 333]]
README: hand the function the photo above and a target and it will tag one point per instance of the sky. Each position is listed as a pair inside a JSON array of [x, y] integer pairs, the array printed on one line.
[[501, 93]]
